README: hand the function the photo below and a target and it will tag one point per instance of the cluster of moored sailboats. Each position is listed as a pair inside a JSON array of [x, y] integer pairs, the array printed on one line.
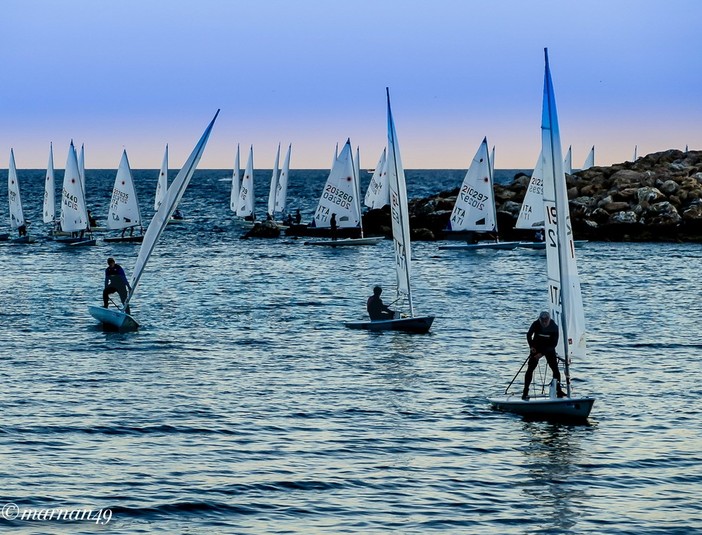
[[545, 209]]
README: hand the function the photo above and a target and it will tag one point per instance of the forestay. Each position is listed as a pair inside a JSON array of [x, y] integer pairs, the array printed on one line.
[[124, 206], [340, 194], [475, 207]]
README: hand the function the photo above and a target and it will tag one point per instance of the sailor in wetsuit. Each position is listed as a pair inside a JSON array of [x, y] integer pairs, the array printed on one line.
[[542, 338], [115, 281], [376, 309]]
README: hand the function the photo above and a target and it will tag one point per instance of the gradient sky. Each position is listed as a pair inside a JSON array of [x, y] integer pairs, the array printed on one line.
[[137, 74]]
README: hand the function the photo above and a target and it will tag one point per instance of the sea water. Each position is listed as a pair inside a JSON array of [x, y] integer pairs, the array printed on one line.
[[243, 405]]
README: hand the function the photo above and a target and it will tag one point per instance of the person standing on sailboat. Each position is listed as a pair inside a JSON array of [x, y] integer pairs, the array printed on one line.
[[543, 339], [115, 281], [376, 309]]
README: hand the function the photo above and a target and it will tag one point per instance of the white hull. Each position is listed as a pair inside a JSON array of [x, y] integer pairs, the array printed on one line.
[[542, 244], [346, 242], [76, 242], [417, 324], [543, 407], [481, 245], [114, 319]]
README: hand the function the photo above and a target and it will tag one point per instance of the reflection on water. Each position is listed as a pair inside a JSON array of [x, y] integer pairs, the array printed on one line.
[[243, 405]]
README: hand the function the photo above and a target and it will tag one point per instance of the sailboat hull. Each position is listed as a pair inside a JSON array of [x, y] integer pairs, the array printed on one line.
[[124, 239], [542, 245], [483, 245], [348, 242], [113, 319], [418, 324], [545, 408]]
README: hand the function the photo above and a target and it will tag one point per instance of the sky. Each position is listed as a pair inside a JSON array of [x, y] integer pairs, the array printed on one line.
[[137, 74]]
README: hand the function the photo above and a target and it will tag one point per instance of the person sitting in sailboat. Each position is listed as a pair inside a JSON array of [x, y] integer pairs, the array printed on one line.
[[543, 339], [115, 281], [376, 309]]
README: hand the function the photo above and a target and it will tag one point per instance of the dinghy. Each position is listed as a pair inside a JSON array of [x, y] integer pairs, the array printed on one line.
[[245, 204], [474, 209], [74, 214], [563, 281], [341, 198], [162, 184], [119, 318], [17, 221], [124, 213], [402, 246], [378, 192], [236, 183]]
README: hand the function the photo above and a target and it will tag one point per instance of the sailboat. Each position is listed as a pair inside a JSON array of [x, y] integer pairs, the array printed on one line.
[[124, 213], [341, 200], [49, 207], [563, 281], [401, 241], [590, 160], [281, 192], [17, 221], [162, 184], [74, 214], [531, 213], [274, 186], [568, 162], [81, 172], [236, 182], [119, 318], [636, 153], [474, 209], [378, 192], [245, 204]]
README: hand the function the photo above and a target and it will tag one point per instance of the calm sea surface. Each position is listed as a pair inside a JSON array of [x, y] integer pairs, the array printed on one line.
[[244, 406]]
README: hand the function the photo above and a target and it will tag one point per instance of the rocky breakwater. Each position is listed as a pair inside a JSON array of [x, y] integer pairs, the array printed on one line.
[[656, 198]]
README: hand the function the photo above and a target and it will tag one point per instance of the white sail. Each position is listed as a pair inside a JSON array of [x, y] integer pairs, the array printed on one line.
[[13, 193], [74, 215], [339, 196], [378, 192], [245, 207], [568, 162], [475, 204], [124, 206], [236, 183], [168, 206], [281, 193], [531, 214], [563, 281], [636, 153], [274, 184], [399, 211], [590, 160], [162, 185], [50, 189]]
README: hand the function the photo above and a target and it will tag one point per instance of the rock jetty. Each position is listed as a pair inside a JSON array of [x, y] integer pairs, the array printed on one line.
[[656, 198]]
